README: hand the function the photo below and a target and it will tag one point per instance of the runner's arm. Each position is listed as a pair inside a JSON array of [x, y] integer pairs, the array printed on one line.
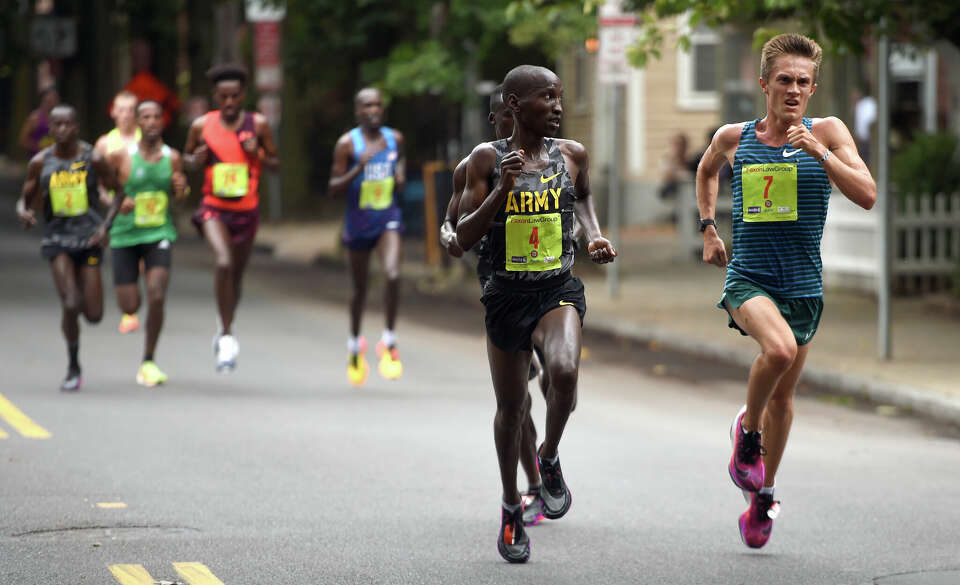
[[269, 157], [448, 230], [600, 249], [340, 175], [26, 204], [718, 153], [478, 204], [178, 180], [109, 175], [195, 151], [105, 198], [400, 169], [844, 166]]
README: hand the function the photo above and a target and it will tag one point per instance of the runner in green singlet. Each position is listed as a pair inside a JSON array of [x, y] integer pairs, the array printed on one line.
[[151, 172], [125, 133], [783, 166]]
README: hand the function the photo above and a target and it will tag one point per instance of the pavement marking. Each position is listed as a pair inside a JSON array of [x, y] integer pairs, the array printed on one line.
[[131, 575], [111, 505], [196, 574], [24, 425], [3, 434]]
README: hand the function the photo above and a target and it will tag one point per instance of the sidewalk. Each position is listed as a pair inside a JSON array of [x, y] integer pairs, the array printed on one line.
[[668, 299]]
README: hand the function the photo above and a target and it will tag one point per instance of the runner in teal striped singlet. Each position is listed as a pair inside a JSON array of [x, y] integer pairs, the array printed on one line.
[[783, 165]]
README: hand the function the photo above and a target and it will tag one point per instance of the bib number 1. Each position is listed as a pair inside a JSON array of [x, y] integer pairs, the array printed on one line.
[[69, 201]]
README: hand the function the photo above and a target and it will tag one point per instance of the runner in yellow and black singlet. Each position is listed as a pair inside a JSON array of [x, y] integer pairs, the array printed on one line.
[[522, 194], [63, 179]]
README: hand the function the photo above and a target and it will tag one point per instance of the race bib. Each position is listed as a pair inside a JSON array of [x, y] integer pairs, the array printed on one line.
[[69, 200], [150, 209], [769, 192], [376, 195], [534, 242], [230, 179]]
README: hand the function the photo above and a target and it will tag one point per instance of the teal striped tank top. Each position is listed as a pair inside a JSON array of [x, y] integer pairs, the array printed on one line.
[[776, 244]]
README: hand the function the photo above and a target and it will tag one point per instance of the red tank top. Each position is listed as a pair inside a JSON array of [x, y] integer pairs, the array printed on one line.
[[231, 177]]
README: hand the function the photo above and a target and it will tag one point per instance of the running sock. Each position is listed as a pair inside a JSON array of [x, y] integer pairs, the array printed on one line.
[[353, 344], [389, 338], [533, 488], [511, 508], [767, 491], [72, 350]]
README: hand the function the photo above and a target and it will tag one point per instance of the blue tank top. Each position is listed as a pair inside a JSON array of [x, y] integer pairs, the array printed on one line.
[[776, 244], [372, 204]]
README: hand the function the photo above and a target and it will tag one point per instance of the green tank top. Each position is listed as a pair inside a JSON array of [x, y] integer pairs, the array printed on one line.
[[149, 185]]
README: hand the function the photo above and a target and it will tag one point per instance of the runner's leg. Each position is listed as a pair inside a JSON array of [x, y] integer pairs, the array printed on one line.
[[158, 277], [778, 416], [509, 373], [218, 237], [389, 248], [359, 261], [241, 256], [65, 279], [560, 331], [91, 284], [761, 319]]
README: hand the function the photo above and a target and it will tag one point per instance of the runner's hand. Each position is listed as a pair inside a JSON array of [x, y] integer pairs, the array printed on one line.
[[450, 242], [179, 181], [100, 238], [601, 250], [128, 205], [250, 145], [714, 250], [200, 154], [800, 137], [27, 217], [511, 167], [366, 155]]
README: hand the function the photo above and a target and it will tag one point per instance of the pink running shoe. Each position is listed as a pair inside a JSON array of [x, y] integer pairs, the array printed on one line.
[[756, 523], [746, 463]]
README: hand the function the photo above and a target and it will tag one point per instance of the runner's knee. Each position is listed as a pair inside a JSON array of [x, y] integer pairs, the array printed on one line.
[[563, 376], [511, 413], [155, 293], [93, 315], [781, 355]]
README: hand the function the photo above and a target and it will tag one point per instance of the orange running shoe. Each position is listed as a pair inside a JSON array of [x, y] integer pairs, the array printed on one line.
[[128, 323]]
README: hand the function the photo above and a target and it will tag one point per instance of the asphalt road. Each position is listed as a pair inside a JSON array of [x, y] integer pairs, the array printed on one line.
[[283, 474]]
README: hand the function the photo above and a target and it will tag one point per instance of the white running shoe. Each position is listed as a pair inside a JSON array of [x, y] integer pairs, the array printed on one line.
[[227, 348]]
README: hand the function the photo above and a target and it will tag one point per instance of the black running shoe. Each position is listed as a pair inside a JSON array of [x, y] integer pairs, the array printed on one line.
[[556, 497], [513, 544], [72, 382]]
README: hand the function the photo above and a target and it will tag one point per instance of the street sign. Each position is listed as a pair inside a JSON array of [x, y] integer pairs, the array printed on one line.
[[266, 48], [617, 33], [53, 37]]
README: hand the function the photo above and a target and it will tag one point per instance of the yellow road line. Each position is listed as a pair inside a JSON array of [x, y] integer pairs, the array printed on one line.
[[196, 574], [111, 505], [3, 434], [15, 417], [131, 575]]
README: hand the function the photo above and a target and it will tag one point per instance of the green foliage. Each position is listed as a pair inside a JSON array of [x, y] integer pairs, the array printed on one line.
[[838, 25], [929, 165]]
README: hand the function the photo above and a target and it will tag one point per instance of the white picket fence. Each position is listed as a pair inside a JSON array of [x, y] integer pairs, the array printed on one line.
[[926, 246]]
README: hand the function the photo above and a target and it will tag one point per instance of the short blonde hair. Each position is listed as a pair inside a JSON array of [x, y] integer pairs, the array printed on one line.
[[125, 94], [789, 44]]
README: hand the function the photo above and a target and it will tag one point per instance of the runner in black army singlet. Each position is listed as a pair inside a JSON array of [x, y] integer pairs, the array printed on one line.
[[522, 193], [63, 177]]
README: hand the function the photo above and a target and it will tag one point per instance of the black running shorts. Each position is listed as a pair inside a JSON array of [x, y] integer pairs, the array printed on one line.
[[513, 311], [126, 260]]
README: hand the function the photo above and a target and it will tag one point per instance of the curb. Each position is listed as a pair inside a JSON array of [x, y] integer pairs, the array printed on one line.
[[926, 403]]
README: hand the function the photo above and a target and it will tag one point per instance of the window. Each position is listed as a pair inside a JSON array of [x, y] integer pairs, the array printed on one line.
[[697, 76]]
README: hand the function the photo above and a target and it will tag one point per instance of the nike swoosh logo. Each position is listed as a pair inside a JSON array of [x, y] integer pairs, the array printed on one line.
[[565, 304], [550, 178], [789, 153]]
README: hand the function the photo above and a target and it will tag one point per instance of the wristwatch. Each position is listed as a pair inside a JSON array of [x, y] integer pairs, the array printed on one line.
[[705, 222]]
